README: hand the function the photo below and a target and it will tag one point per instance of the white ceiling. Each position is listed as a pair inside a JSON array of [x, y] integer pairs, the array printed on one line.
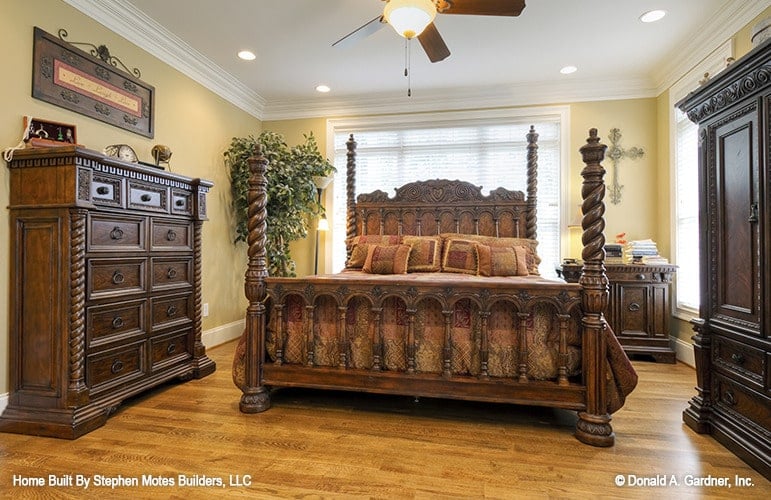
[[495, 60]]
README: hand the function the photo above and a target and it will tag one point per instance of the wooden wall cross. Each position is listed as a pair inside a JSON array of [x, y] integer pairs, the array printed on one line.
[[616, 153]]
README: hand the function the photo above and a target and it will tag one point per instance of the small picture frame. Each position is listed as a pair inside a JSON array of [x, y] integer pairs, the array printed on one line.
[[47, 133]]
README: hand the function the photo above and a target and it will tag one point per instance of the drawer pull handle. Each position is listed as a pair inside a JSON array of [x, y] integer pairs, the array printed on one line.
[[171, 311], [172, 273], [729, 398], [116, 233], [118, 278], [145, 198], [117, 322], [180, 203], [116, 367], [171, 348], [640, 276], [171, 235], [737, 358], [634, 307], [102, 190]]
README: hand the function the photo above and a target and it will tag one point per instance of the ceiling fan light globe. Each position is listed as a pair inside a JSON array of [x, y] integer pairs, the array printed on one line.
[[409, 17]]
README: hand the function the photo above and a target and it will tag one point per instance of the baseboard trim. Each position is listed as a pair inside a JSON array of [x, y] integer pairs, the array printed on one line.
[[684, 351], [223, 333]]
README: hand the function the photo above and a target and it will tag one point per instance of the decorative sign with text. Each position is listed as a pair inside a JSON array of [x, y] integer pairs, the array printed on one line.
[[72, 79]]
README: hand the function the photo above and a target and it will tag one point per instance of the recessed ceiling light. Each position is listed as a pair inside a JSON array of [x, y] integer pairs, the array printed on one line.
[[247, 55], [568, 69], [653, 16], [323, 88]]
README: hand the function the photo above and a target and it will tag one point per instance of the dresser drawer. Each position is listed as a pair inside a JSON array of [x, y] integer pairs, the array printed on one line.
[[116, 233], [115, 277], [739, 359], [172, 310], [181, 202], [148, 197], [106, 369], [111, 322], [171, 236], [172, 273], [107, 190], [730, 395], [169, 349]]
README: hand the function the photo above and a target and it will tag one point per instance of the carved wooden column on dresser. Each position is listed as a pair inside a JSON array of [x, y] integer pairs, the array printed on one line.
[[733, 335], [638, 306], [105, 295]]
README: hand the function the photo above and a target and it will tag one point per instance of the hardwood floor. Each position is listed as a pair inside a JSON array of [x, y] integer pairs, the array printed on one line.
[[321, 445]]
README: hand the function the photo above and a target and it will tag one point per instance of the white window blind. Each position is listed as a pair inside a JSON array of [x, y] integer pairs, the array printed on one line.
[[687, 212], [491, 154]]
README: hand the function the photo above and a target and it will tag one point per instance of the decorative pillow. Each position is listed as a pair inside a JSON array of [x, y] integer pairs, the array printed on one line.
[[360, 245], [533, 260], [387, 259], [502, 261], [426, 253], [460, 256]]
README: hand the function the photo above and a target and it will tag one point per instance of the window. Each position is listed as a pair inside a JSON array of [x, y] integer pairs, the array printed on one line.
[[489, 151], [685, 191]]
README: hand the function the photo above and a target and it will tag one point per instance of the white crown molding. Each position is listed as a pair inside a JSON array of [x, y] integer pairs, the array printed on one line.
[[525, 94], [734, 16], [124, 19]]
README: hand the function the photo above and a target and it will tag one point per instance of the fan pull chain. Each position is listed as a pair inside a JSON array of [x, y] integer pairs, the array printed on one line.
[[407, 66]]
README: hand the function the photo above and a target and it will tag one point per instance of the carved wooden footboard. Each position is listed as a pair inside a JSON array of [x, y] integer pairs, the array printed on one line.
[[524, 340]]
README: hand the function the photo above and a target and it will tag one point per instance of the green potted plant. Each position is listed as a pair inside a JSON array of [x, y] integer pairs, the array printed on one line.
[[292, 194]]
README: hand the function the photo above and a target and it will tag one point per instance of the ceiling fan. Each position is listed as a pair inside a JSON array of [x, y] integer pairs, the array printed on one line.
[[415, 18]]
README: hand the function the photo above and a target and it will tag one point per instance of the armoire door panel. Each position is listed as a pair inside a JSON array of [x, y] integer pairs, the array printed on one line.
[[738, 247]]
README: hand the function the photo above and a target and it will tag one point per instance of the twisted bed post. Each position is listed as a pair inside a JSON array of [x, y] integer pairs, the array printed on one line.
[[350, 196], [593, 426], [531, 218], [255, 397]]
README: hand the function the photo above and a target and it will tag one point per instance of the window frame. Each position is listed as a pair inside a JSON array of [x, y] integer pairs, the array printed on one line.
[[711, 65], [560, 114]]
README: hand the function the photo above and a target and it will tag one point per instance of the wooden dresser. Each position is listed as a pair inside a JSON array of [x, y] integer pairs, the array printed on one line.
[[638, 306], [733, 334], [105, 298]]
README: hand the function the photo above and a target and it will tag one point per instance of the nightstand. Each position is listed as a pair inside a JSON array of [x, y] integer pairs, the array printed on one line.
[[638, 306]]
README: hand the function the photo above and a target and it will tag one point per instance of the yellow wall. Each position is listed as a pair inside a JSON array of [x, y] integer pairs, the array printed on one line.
[[193, 121]]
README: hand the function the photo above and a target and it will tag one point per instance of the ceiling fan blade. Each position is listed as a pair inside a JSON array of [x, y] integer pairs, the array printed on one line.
[[361, 32], [433, 44], [483, 7]]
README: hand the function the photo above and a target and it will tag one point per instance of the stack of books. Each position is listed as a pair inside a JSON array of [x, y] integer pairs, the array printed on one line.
[[614, 253], [643, 252]]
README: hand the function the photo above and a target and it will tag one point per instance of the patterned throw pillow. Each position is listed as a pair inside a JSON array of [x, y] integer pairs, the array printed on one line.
[[460, 256], [360, 245], [533, 260], [387, 259], [502, 261], [426, 253]]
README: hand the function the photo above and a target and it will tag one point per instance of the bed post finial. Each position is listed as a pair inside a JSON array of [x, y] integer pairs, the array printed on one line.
[[532, 185], [255, 396], [350, 193], [593, 426]]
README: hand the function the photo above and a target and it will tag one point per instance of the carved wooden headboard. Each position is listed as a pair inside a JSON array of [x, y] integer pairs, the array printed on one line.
[[444, 206]]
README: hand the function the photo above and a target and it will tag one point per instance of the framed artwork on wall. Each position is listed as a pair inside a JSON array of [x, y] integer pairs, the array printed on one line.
[[91, 84]]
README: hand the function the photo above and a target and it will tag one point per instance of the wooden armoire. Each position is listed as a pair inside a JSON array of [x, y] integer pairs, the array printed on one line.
[[733, 334]]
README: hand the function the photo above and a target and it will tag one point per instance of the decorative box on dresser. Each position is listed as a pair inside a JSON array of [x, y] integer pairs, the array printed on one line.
[[732, 344], [105, 298], [638, 306]]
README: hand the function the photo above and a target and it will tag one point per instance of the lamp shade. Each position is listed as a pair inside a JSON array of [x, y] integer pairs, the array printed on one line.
[[409, 17], [323, 224]]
